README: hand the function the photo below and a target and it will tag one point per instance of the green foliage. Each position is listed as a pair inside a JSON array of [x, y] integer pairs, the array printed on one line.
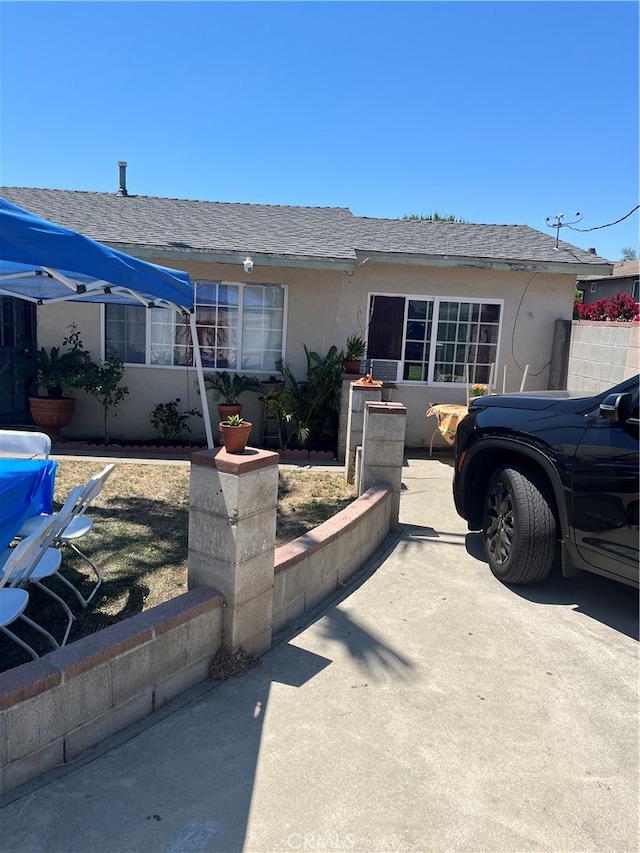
[[356, 348], [279, 404], [310, 406], [433, 217], [233, 420], [228, 387], [168, 422], [58, 369], [102, 381]]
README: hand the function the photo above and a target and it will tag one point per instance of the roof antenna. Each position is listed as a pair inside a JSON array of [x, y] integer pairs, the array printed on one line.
[[122, 189], [560, 223]]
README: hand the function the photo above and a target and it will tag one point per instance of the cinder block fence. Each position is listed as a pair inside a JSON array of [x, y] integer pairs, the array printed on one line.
[[242, 590]]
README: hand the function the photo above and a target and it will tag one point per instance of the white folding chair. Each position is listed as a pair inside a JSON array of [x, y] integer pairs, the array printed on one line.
[[77, 525], [22, 442], [46, 562], [17, 563]]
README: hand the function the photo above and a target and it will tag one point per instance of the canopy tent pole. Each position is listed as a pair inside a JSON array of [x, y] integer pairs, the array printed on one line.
[[203, 391]]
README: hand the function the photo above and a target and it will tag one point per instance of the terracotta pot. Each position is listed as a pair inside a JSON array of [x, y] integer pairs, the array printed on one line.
[[235, 438], [225, 410], [352, 366], [51, 414]]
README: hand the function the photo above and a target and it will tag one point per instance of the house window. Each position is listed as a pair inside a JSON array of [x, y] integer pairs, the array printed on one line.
[[634, 290], [434, 339], [125, 332], [240, 327]]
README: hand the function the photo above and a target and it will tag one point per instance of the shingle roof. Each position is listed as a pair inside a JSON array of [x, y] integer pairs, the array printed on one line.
[[461, 239], [206, 226], [623, 269], [313, 233]]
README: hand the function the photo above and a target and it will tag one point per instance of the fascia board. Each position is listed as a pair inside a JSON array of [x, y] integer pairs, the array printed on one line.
[[561, 267], [182, 256]]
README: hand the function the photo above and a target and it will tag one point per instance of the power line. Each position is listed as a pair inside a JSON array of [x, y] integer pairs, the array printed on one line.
[[608, 225]]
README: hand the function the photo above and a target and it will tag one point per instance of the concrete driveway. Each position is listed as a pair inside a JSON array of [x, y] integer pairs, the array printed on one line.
[[429, 709]]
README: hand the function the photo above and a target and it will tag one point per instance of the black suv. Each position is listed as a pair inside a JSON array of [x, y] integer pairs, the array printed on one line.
[[548, 475]]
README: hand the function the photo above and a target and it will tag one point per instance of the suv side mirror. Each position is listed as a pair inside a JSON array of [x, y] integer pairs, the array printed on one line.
[[617, 407]]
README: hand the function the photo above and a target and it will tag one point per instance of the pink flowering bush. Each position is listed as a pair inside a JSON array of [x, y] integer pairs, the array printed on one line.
[[619, 309]]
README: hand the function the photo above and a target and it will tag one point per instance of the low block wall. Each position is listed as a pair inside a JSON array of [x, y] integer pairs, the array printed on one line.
[[55, 708], [314, 566], [602, 355]]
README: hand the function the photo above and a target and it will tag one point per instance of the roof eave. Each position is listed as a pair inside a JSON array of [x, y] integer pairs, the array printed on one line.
[[181, 256], [463, 262]]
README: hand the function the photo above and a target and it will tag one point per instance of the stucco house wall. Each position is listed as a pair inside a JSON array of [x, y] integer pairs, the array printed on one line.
[[323, 309]]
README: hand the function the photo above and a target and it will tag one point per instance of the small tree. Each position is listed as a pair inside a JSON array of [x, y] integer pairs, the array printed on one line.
[[629, 254], [102, 381]]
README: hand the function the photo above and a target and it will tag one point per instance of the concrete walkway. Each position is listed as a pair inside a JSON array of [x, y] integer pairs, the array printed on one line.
[[431, 709]]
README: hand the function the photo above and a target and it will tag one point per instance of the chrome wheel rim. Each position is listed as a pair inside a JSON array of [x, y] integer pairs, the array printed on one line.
[[500, 530]]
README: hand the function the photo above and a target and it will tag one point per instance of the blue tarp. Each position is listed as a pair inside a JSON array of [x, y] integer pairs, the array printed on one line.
[[44, 262]]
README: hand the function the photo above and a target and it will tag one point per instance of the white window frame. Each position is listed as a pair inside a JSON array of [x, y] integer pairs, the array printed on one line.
[[240, 285], [436, 300]]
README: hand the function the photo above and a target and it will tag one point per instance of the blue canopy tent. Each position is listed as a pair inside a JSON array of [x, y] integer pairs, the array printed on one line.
[[44, 263]]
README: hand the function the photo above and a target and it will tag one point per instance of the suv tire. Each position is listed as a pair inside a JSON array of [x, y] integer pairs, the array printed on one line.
[[519, 527]]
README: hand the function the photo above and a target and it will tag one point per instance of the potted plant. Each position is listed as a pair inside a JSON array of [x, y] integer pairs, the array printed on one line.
[[355, 352], [272, 383], [227, 388], [55, 371], [235, 433]]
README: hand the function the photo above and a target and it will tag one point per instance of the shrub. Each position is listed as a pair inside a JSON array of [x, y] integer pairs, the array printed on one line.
[[168, 422], [619, 309]]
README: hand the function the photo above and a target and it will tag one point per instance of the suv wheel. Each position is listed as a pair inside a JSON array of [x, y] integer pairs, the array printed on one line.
[[519, 527]]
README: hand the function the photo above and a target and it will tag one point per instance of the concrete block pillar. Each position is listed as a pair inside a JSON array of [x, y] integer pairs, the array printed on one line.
[[232, 528], [560, 354], [383, 450], [359, 395], [343, 416]]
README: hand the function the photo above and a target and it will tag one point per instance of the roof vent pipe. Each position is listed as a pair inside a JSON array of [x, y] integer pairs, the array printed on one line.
[[122, 189], [592, 252]]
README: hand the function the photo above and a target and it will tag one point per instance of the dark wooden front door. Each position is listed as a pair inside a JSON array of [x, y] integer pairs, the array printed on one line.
[[17, 340]]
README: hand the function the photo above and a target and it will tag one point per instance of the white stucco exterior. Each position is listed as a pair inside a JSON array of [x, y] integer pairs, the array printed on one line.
[[323, 308]]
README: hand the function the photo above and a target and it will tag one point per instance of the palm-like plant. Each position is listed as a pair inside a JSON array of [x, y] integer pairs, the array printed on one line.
[[229, 386], [57, 368], [314, 402]]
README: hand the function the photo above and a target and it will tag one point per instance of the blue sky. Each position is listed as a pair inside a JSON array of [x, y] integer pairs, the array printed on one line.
[[500, 112]]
